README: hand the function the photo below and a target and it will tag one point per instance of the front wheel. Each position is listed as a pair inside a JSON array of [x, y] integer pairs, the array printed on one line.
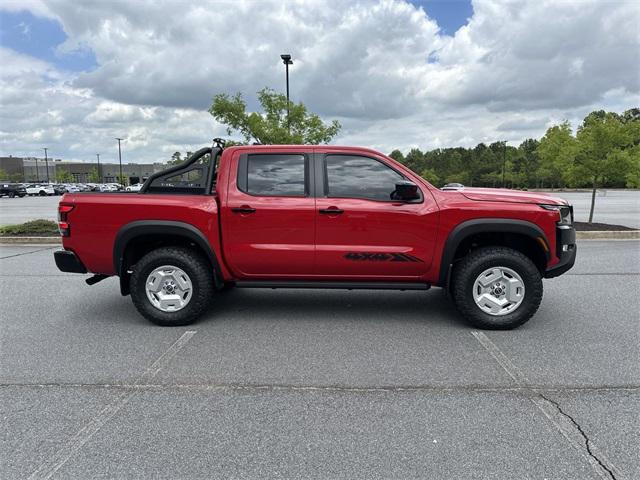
[[497, 288], [172, 286]]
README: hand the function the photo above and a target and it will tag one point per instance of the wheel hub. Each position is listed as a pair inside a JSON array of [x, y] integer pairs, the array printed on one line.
[[498, 291], [169, 288]]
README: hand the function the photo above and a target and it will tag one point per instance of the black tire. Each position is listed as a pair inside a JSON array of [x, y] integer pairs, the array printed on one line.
[[43, 193], [194, 265], [468, 269], [12, 194]]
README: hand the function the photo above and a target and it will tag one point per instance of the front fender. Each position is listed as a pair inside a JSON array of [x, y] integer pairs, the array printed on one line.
[[484, 225]]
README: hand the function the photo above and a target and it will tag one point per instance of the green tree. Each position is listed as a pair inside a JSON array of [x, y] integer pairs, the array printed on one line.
[[430, 176], [176, 159], [397, 156], [93, 175], [3, 174], [603, 140], [557, 150], [16, 178], [64, 176], [528, 162], [273, 126], [632, 177], [414, 160]]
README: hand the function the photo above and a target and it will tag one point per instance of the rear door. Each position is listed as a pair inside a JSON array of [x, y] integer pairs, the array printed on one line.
[[361, 233], [269, 216]]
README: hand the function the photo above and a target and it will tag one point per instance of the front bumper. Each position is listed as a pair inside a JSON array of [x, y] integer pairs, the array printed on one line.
[[67, 261], [566, 250]]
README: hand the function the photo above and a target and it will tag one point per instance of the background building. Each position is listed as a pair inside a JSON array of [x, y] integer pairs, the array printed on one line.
[[31, 169]]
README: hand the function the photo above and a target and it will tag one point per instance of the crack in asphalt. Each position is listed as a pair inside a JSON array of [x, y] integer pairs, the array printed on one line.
[[28, 253], [526, 390], [587, 442], [602, 274]]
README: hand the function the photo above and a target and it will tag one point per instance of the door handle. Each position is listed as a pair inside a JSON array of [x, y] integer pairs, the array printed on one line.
[[331, 211], [243, 209]]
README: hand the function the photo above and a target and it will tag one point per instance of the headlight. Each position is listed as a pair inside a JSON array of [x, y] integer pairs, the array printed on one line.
[[564, 211]]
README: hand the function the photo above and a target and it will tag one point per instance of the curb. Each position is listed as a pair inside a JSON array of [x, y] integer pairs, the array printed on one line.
[[30, 241], [591, 235], [609, 235]]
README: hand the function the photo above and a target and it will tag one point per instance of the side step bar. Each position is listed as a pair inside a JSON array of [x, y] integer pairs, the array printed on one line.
[[333, 285]]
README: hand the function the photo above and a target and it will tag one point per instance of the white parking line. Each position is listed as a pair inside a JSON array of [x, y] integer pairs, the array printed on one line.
[[62, 456], [563, 422]]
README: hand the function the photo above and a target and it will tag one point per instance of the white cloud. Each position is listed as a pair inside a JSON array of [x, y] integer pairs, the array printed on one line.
[[514, 69]]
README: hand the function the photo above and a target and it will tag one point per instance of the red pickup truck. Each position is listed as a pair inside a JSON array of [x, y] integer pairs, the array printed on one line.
[[298, 216]]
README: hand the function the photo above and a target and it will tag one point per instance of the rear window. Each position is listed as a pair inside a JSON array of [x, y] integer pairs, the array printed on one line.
[[274, 175]]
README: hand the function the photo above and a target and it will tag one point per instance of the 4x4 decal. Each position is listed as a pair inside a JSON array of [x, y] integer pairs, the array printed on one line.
[[381, 257]]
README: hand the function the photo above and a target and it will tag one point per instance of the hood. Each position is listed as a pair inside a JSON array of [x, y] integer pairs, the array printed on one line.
[[512, 196]]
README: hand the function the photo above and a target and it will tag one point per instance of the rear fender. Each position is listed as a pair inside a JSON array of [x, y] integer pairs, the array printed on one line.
[[160, 228]]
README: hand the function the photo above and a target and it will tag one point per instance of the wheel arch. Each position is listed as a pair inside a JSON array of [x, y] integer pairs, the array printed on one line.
[[137, 238], [521, 235]]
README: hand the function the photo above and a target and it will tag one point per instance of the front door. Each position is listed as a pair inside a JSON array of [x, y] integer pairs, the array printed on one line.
[[361, 233], [269, 216]]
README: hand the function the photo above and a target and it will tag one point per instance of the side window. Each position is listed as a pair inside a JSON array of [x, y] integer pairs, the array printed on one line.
[[274, 175], [351, 176]]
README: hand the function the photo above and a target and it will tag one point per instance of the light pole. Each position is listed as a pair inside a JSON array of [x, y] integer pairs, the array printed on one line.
[[120, 159], [37, 173], [286, 59], [46, 162], [504, 160]]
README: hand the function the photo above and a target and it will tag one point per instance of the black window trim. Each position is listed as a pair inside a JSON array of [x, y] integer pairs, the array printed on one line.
[[242, 181], [323, 183]]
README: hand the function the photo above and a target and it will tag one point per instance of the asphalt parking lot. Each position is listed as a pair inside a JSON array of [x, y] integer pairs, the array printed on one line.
[[618, 207], [319, 384]]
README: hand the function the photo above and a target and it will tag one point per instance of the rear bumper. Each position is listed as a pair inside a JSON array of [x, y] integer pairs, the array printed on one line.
[[67, 261], [566, 250]]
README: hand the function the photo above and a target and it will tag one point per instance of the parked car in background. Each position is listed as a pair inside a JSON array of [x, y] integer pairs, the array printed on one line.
[[12, 190], [71, 188], [59, 189], [453, 186], [38, 189], [135, 187]]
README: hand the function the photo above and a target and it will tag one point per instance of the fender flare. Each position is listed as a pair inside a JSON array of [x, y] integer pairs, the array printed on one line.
[[132, 230], [484, 225]]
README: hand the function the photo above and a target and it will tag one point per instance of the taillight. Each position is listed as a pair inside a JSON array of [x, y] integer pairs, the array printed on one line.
[[63, 224]]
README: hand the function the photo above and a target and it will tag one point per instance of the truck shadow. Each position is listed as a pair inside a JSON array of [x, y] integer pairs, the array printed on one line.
[[301, 305]]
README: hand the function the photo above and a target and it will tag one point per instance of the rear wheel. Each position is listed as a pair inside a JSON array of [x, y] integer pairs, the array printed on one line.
[[497, 288], [11, 194], [172, 286]]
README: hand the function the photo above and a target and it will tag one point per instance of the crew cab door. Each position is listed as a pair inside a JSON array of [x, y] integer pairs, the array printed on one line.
[[268, 217], [360, 232]]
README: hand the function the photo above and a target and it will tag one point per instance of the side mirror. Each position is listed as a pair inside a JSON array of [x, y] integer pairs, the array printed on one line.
[[406, 191]]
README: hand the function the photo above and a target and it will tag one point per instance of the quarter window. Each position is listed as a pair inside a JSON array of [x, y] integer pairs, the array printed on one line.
[[351, 176], [276, 175]]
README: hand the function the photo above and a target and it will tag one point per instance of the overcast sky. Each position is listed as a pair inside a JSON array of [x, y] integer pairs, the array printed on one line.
[[397, 74]]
